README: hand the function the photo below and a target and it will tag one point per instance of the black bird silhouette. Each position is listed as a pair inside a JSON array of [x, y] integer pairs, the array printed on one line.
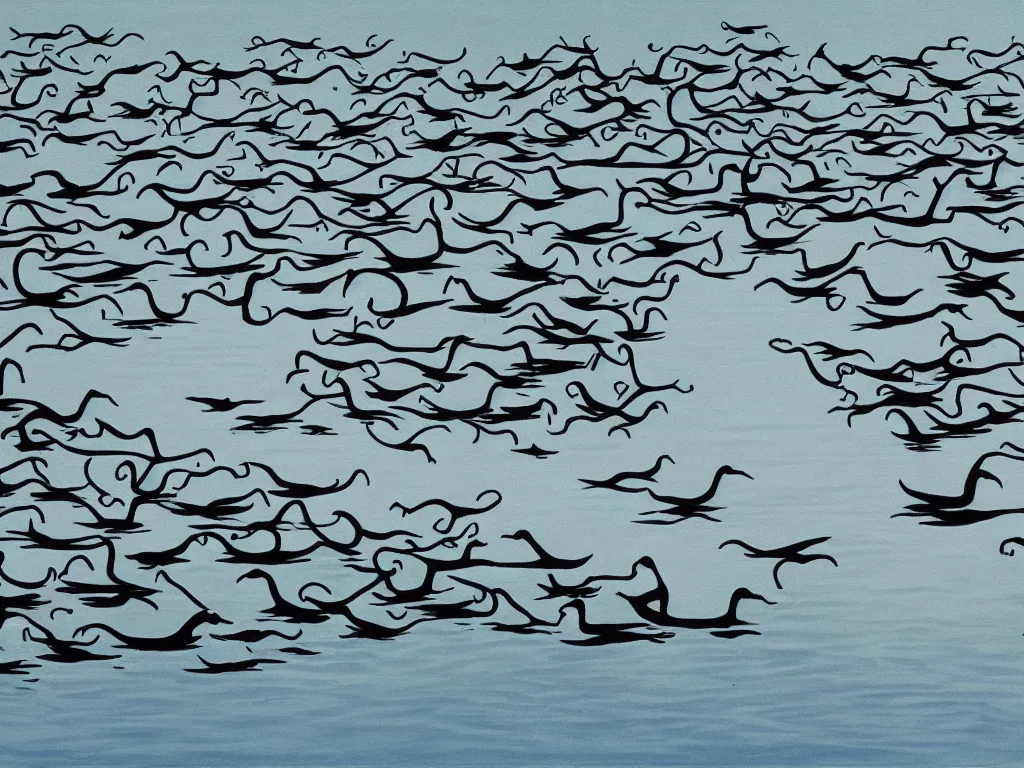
[[586, 589], [222, 404], [660, 616], [282, 608], [614, 483], [181, 639], [256, 635], [455, 511], [531, 624], [410, 444], [218, 668], [682, 508], [291, 490], [791, 553], [934, 501], [605, 634], [543, 558], [62, 651], [114, 594], [51, 575], [535, 451]]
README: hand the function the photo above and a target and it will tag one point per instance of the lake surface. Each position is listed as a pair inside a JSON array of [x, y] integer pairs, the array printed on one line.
[[342, 376]]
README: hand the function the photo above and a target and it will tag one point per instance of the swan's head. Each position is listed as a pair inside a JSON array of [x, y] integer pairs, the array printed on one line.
[[959, 309], [644, 563], [255, 573], [782, 345], [210, 617], [576, 605], [745, 594], [520, 535], [727, 470]]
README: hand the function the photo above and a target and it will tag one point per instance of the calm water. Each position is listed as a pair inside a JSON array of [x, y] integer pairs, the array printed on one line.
[[905, 652]]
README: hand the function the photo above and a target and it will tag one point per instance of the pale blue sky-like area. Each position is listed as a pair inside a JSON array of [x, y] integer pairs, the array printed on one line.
[[621, 29]]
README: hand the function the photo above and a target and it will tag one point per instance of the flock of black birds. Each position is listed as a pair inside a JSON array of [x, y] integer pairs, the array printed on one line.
[[476, 256]]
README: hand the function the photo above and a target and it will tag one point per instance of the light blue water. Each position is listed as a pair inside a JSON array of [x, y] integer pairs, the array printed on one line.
[[907, 653]]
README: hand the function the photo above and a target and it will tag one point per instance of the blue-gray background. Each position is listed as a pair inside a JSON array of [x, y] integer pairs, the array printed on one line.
[[908, 653]]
